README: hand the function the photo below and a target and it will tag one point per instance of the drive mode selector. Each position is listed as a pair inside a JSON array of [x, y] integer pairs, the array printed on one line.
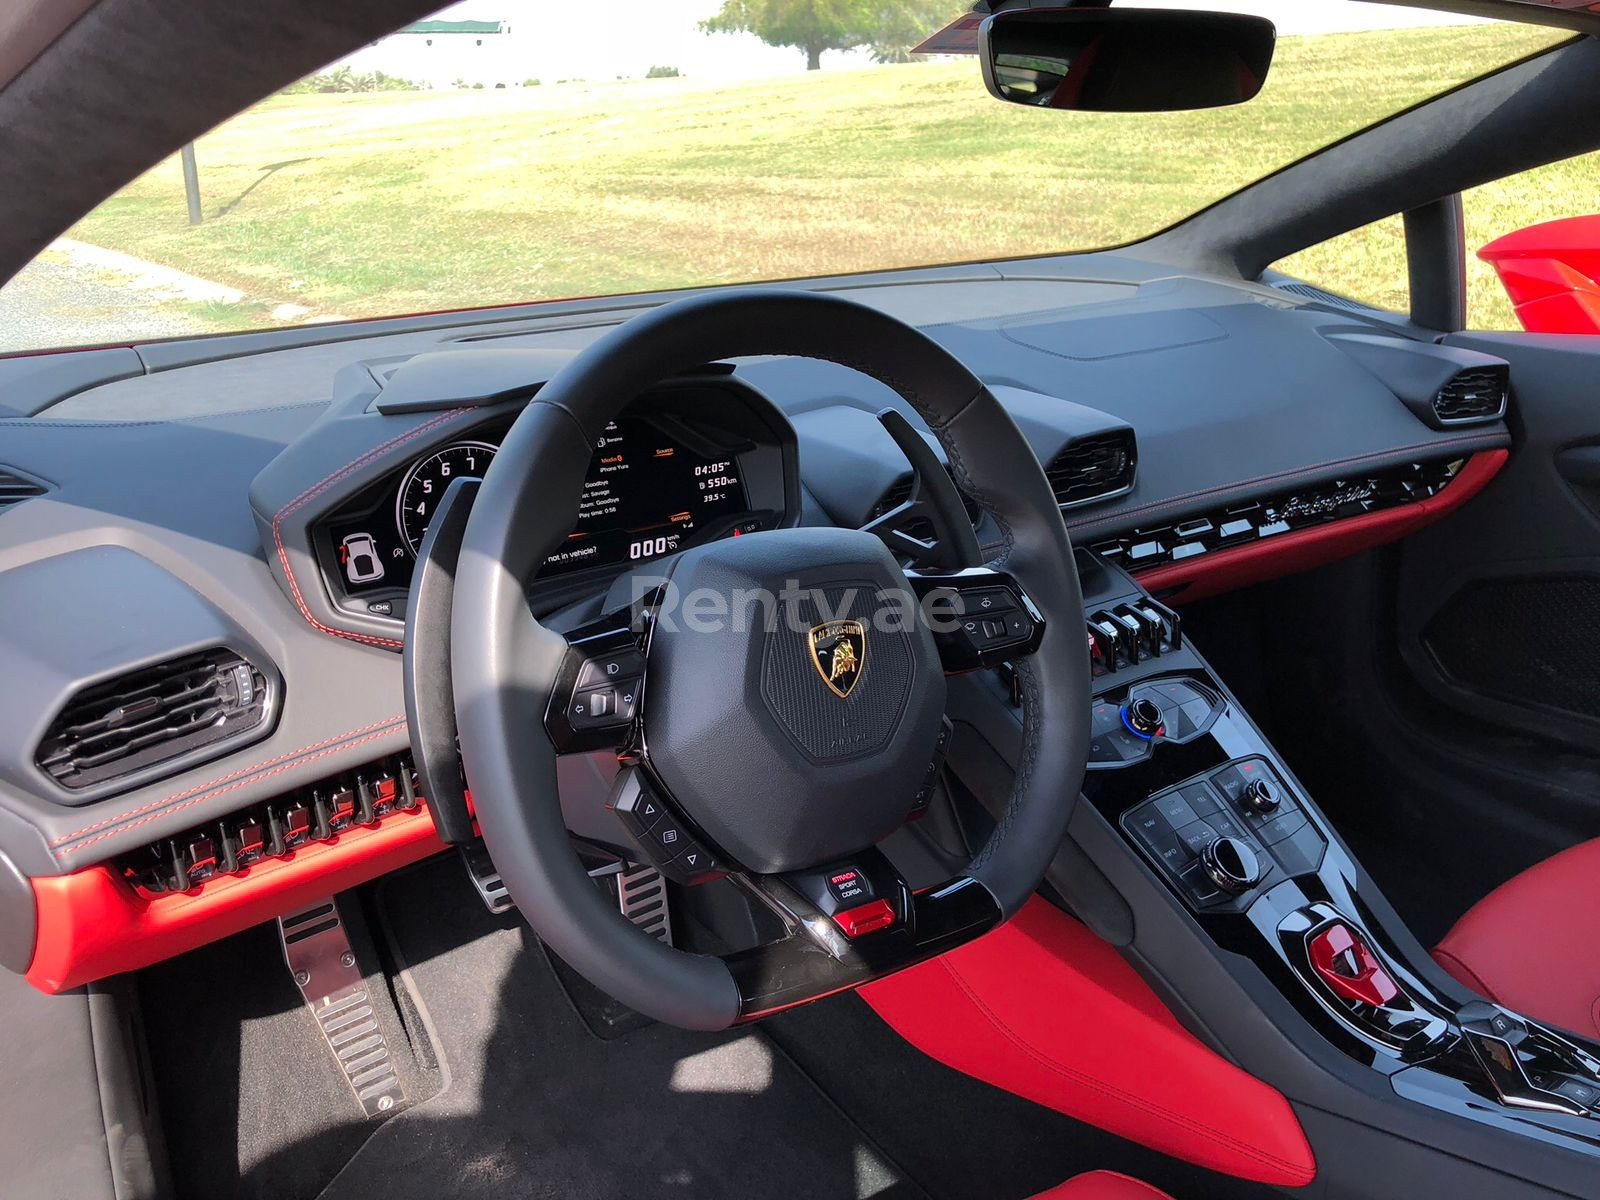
[[1143, 717], [1231, 865]]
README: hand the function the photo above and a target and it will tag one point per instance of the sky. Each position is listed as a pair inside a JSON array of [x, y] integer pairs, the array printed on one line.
[[627, 37]]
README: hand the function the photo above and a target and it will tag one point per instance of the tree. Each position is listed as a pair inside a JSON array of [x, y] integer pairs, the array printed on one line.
[[890, 27]]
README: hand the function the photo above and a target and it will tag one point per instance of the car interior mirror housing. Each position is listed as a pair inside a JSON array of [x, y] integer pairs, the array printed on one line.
[[1125, 60]]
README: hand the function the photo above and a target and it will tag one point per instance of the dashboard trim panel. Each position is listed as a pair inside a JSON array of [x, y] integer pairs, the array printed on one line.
[[1299, 550]]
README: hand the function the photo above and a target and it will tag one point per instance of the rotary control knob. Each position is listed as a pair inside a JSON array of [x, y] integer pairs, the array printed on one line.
[[1231, 865], [1143, 717], [1262, 796]]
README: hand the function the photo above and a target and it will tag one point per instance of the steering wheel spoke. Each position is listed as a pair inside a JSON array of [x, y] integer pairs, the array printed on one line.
[[595, 703], [979, 617], [657, 827], [849, 923]]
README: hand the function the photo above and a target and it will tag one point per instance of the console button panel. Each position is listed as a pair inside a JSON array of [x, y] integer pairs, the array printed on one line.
[[1176, 826], [1119, 737]]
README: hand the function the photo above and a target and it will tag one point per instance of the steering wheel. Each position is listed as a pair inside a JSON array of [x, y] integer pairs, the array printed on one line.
[[776, 749]]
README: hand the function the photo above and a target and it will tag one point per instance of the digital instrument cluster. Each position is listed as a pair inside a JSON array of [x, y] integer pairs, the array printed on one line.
[[659, 481]]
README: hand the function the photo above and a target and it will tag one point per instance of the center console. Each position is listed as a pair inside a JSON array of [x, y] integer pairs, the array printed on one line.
[[1196, 794]]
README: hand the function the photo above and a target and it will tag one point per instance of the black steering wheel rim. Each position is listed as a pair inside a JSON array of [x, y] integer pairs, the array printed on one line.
[[505, 664]]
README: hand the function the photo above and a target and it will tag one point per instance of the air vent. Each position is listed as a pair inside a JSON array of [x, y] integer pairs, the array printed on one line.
[[1093, 468], [176, 709], [15, 488], [1476, 394], [900, 491], [1332, 299]]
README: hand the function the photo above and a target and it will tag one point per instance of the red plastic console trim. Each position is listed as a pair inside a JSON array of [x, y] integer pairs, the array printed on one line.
[[1046, 1010], [92, 924], [1241, 566]]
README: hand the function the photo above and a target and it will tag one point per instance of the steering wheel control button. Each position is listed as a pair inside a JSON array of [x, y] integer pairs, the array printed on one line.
[[1231, 865], [867, 918], [849, 886], [668, 838], [984, 602], [692, 863], [610, 669], [995, 621]]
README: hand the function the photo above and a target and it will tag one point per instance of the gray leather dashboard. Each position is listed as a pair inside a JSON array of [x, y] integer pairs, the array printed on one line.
[[211, 464]]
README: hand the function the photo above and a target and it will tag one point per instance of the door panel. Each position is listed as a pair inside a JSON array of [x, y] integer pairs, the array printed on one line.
[[1499, 608]]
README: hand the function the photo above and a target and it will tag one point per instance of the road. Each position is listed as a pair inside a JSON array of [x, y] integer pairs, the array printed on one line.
[[56, 302]]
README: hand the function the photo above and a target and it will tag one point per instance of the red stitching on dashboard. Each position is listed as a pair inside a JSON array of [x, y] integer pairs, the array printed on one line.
[[383, 726], [100, 837], [316, 490]]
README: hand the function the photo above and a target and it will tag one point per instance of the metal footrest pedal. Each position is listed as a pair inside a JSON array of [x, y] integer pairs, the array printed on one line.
[[642, 897], [325, 970]]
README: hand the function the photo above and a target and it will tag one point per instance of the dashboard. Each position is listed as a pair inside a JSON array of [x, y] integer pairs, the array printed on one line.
[[678, 467], [267, 495]]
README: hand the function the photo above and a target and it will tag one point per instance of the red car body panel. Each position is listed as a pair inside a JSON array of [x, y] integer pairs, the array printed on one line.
[[1552, 273]]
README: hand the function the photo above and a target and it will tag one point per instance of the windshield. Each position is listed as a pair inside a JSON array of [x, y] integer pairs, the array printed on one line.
[[519, 150]]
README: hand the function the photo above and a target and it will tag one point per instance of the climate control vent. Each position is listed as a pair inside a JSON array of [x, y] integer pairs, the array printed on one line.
[[15, 488], [1476, 394], [1093, 468], [176, 709], [900, 491]]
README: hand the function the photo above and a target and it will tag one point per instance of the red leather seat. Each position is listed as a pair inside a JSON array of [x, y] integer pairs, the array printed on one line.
[[1530, 944], [1102, 1185]]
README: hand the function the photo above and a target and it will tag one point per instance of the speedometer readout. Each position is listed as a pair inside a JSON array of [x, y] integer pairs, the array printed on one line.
[[429, 478]]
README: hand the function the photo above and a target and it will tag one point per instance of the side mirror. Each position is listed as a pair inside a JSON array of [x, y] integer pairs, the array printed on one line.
[[1125, 59]]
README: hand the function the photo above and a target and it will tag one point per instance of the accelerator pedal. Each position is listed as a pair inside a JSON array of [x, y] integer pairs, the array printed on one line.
[[324, 968], [642, 896]]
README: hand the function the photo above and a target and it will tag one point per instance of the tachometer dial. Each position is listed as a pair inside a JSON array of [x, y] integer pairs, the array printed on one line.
[[425, 484]]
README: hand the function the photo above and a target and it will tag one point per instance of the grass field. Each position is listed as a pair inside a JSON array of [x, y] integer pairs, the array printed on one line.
[[379, 203]]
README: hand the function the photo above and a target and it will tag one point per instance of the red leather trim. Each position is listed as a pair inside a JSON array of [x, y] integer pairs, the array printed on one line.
[[92, 924], [317, 489], [1530, 943], [1225, 570], [1103, 1185], [1046, 1010]]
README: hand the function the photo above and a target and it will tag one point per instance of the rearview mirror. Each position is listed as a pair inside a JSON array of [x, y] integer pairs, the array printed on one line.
[[1125, 59]]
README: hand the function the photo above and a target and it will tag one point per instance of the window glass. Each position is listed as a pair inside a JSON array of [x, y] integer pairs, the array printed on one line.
[[1366, 264], [517, 151]]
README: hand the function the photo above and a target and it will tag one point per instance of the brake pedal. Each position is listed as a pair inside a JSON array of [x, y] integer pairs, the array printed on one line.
[[324, 969], [642, 897]]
